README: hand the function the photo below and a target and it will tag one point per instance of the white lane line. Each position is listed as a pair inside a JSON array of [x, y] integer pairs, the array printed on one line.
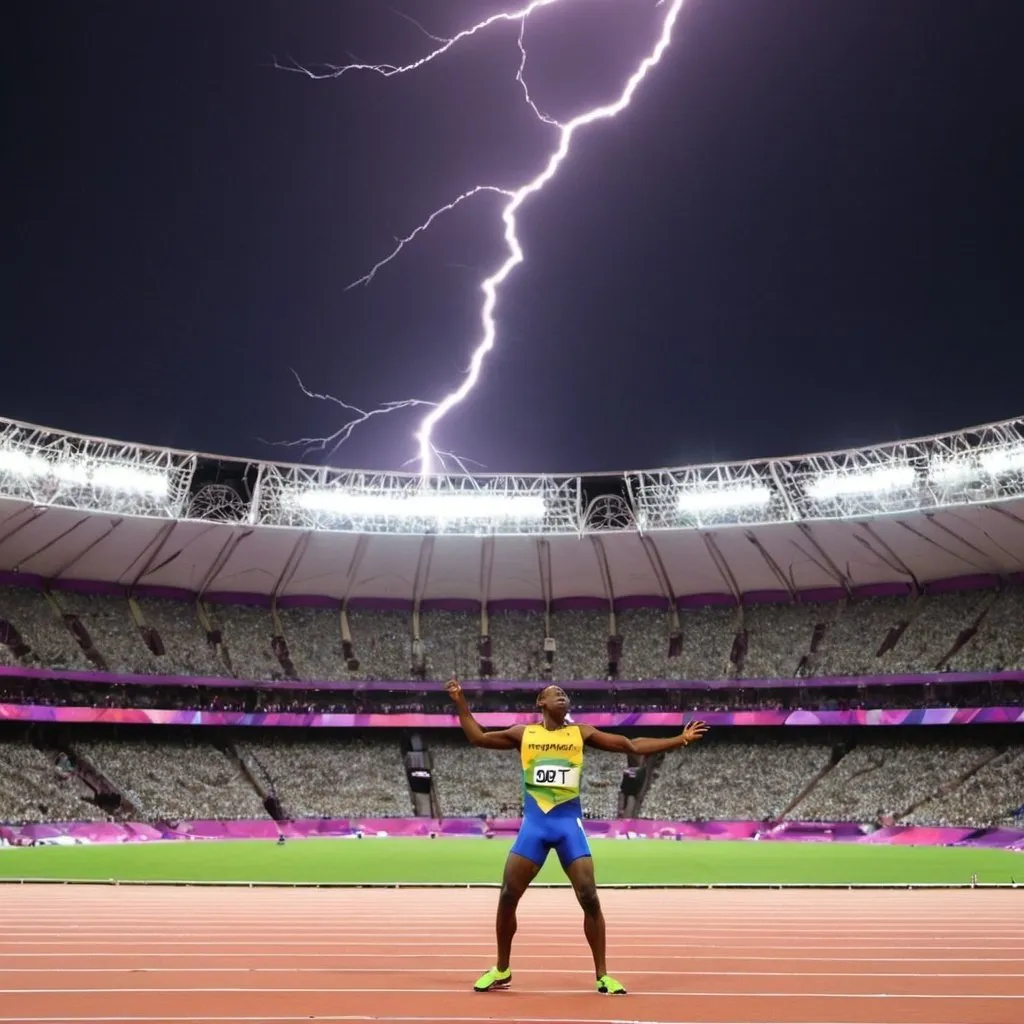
[[113, 901], [387, 948], [528, 970], [385, 934], [860, 905], [356, 1017], [301, 917], [587, 992], [315, 1017], [525, 957], [289, 914], [909, 894], [907, 901], [428, 892], [727, 922]]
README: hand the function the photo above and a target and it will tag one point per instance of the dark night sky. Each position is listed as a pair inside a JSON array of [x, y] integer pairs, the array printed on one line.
[[807, 232]]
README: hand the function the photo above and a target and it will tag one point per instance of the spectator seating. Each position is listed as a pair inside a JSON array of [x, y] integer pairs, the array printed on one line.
[[971, 631]]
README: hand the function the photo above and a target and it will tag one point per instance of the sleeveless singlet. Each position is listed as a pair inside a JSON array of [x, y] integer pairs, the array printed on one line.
[[552, 765]]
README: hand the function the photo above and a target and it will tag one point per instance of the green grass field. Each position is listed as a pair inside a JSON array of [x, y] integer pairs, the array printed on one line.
[[652, 862]]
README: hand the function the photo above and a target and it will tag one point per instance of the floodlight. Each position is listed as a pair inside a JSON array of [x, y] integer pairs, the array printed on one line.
[[68, 471], [996, 462], [20, 463], [84, 472], [423, 504], [951, 472], [1003, 460], [723, 499], [112, 476], [872, 481]]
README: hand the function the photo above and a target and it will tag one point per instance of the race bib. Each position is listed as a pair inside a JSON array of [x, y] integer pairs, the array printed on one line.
[[558, 776]]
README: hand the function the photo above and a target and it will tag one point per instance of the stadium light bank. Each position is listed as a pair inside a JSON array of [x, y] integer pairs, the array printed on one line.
[[978, 465]]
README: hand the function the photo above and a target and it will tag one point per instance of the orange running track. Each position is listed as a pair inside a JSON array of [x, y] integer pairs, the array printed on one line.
[[136, 954]]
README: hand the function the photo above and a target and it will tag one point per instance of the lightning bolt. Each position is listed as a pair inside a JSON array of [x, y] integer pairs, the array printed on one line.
[[515, 200], [332, 442], [401, 243], [388, 70]]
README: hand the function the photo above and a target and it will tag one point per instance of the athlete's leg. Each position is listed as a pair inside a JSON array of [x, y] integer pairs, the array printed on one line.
[[581, 874], [519, 873], [573, 850], [526, 858]]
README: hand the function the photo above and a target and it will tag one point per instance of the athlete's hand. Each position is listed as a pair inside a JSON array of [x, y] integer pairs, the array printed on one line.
[[454, 690], [693, 732]]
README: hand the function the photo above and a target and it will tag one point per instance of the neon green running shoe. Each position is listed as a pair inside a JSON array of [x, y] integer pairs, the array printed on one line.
[[493, 979], [608, 986]]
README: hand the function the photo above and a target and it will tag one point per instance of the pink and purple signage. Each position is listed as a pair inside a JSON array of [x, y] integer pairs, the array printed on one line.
[[503, 719], [75, 833], [20, 672]]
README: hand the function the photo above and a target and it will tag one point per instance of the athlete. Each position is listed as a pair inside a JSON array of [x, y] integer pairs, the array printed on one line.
[[552, 758]]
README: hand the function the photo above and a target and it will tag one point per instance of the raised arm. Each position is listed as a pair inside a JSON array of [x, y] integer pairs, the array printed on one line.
[[501, 739], [644, 745]]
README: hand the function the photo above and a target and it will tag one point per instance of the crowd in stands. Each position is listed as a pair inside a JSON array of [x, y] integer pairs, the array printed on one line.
[[868, 779], [172, 779], [38, 785], [987, 796], [165, 774], [907, 778], [266, 699], [969, 631], [754, 776], [470, 781], [325, 779], [887, 777], [747, 778]]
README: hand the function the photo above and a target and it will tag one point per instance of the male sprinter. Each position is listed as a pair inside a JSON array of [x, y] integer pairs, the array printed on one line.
[[552, 759]]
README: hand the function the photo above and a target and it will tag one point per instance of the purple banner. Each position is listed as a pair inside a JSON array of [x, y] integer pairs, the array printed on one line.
[[503, 685], [816, 832], [503, 719]]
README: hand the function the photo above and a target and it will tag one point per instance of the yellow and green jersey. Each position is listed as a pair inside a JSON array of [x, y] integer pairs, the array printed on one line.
[[552, 764]]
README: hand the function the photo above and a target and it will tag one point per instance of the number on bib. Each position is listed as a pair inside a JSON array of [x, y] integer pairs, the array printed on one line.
[[557, 776]]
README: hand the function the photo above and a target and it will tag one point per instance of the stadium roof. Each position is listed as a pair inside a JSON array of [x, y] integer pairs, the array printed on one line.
[[913, 512]]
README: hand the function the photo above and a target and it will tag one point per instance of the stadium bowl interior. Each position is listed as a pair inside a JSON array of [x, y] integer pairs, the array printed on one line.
[[196, 649]]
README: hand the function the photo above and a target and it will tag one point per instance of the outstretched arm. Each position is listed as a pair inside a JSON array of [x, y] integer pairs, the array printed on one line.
[[502, 739], [644, 745]]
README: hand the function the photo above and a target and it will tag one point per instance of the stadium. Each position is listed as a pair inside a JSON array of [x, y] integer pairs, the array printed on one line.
[[218, 674]]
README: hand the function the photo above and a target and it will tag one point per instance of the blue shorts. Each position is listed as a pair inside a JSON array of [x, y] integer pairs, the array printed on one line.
[[561, 829]]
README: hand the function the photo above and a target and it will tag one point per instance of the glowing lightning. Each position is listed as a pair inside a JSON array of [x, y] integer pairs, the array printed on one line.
[[334, 441], [516, 197], [401, 243], [387, 70], [490, 285]]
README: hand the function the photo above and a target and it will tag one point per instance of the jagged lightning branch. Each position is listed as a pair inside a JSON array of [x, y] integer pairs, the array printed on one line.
[[521, 79], [387, 70], [516, 198], [490, 285], [332, 442], [401, 243]]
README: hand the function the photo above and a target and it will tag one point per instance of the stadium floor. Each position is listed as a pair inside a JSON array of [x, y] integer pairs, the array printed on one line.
[[89, 954]]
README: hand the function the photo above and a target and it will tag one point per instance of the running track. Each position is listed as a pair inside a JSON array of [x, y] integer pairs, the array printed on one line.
[[88, 953]]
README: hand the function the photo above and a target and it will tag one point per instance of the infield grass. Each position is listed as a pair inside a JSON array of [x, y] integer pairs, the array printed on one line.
[[392, 860]]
